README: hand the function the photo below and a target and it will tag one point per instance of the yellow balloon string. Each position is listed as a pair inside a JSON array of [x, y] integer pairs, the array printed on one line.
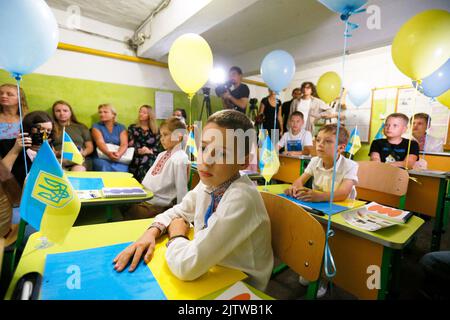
[[412, 122], [190, 96]]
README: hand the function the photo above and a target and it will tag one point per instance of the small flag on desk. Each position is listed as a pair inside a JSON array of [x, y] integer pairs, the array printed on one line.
[[380, 134], [354, 143], [269, 163], [49, 204], [70, 150], [191, 147]]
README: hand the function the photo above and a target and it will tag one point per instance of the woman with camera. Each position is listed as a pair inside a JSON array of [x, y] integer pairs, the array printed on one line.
[[66, 120], [111, 139]]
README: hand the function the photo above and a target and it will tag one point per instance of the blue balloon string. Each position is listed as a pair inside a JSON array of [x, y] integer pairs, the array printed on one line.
[[18, 78]]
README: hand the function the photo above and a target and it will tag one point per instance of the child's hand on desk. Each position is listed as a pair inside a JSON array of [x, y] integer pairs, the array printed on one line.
[[309, 195], [146, 244], [178, 227], [294, 191]]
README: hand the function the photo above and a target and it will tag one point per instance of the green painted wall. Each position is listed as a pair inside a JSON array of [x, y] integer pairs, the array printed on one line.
[[85, 96]]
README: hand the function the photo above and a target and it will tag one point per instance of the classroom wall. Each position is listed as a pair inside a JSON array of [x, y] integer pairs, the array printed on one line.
[[86, 81]]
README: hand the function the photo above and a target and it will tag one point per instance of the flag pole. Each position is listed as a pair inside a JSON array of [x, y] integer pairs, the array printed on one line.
[[62, 145]]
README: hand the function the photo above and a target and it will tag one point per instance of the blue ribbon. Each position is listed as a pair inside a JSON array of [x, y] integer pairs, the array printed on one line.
[[351, 26], [18, 78]]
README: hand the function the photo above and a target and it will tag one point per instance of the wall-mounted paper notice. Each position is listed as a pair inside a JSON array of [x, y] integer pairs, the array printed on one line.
[[163, 104]]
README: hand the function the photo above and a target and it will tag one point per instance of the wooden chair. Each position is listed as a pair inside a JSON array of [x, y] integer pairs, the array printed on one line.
[[382, 183], [298, 239]]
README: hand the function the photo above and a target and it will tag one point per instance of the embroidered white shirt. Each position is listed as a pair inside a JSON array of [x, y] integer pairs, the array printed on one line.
[[238, 234], [172, 180]]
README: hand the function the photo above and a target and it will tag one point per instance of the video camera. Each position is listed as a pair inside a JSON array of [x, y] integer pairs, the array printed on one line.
[[221, 89], [37, 135], [253, 104]]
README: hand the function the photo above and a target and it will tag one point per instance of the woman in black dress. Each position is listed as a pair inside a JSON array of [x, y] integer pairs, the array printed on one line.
[[267, 110], [144, 138]]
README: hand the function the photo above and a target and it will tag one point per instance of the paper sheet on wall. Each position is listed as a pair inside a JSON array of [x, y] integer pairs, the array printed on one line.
[[163, 104], [438, 112]]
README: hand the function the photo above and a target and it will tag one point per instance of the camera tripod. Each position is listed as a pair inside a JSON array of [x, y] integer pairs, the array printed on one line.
[[206, 103]]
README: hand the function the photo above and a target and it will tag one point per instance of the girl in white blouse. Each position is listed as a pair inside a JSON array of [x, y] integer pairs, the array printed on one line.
[[168, 177]]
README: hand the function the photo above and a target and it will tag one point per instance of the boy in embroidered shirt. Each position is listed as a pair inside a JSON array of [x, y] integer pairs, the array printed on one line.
[[167, 178], [231, 224], [321, 169], [394, 148], [296, 141]]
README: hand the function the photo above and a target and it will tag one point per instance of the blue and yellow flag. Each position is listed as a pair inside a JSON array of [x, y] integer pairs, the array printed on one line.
[[380, 134], [49, 203], [269, 163], [354, 143], [191, 147], [70, 150]]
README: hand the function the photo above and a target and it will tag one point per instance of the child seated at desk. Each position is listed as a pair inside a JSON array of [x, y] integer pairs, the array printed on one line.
[[321, 170], [296, 141], [231, 224], [167, 178], [394, 148]]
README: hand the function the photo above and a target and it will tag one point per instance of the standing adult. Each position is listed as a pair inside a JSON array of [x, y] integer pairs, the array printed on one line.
[[285, 109], [268, 110], [10, 126], [311, 106], [236, 93]]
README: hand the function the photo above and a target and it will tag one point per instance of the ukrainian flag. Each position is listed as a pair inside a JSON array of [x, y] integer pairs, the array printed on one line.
[[191, 147], [49, 203], [70, 150], [269, 163], [355, 142], [380, 134]]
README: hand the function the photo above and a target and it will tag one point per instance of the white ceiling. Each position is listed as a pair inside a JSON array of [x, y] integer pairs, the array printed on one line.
[[264, 23], [127, 14], [304, 28]]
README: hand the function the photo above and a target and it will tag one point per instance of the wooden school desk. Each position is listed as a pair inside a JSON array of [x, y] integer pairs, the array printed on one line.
[[427, 195], [356, 251], [94, 236], [291, 168], [437, 160], [111, 180]]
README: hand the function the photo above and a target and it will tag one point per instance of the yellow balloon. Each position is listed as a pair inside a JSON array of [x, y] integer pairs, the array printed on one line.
[[329, 86], [445, 99], [190, 62], [423, 44]]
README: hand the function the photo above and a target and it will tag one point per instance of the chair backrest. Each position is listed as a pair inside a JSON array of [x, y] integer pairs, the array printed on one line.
[[298, 239], [382, 177], [2, 248], [381, 182]]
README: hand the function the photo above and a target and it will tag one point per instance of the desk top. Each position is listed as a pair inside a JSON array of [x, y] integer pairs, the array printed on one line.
[[111, 180], [94, 236], [302, 157], [395, 237], [442, 154], [430, 173]]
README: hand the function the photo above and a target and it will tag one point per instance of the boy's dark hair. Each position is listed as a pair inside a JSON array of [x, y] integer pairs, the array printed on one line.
[[332, 128], [298, 114], [398, 115], [237, 69], [235, 120], [296, 89], [423, 116]]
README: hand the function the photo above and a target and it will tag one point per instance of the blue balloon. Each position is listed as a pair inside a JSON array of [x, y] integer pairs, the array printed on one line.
[[358, 93], [277, 70], [343, 7], [438, 82], [29, 35]]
